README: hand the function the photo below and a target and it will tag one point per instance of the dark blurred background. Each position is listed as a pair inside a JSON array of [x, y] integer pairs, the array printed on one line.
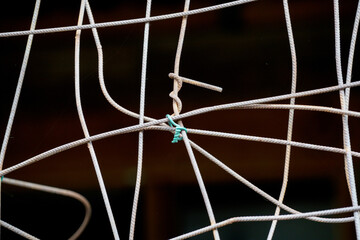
[[243, 49]]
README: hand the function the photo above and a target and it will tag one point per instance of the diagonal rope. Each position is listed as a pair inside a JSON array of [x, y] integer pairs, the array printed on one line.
[[17, 230], [261, 192], [201, 184], [85, 4], [18, 91], [287, 217], [250, 104], [150, 125], [230, 171], [19, 85], [199, 111]]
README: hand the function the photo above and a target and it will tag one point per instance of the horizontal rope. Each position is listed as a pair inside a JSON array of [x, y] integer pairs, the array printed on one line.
[[125, 22], [140, 127], [267, 218], [271, 140], [302, 107]]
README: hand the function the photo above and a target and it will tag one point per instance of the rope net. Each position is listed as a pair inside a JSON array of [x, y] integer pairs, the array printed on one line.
[[176, 122]]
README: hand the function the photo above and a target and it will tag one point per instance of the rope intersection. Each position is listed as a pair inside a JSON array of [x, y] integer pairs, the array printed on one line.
[[181, 133]]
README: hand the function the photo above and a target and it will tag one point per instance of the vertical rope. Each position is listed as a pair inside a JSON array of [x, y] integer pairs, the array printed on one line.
[[176, 84], [351, 54], [291, 116], [83, 122], [344, 100], [18, 92], [19, 85], [177, 109], [349, 168], [141, 121]]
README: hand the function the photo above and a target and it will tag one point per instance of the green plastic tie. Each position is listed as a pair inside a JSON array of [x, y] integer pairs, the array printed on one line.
[[178, 129]]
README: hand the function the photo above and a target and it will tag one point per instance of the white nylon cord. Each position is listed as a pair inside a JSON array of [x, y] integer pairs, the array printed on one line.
[[251, 104], [17, 230], [349, 169], [271, 140], [18, 91], [141, 121], [58, 191], [201, 185], [266, 218], [126, 22], [230, 171], [302, 107], [259, 139], [261, 192], [19, 85], [135, 128], [84, 126], [351, 54], [291, 116], [102, 80], [266, 99], [177, 105]]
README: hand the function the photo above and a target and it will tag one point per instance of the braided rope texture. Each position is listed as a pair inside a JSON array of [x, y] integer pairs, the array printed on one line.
[[184, 135]]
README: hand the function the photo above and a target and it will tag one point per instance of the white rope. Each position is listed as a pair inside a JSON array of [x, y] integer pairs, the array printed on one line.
[[103, 86], [261, 192], [267, 99], [201, 185], [261, 103], [271, 140], [127, 22], [19, 85], [266, 218], [141, 121], [58, 191], [349, 169], [348, 80], [351, 53], [84, 3], [18, 91], [291, 116], [17, 230], [139, 127], [302, 107], [177, 106], [194, 82]]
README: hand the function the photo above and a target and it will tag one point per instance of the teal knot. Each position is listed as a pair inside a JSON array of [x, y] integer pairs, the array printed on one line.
[[2, 177], [178, 130]]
